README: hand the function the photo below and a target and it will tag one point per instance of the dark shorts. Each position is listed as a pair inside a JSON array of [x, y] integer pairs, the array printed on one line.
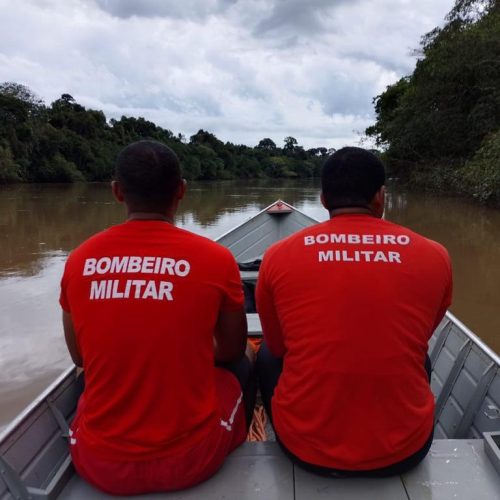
[[172, 472]]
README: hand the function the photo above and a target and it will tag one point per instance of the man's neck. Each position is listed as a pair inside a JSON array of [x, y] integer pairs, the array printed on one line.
[[351, 210], [151, 216]]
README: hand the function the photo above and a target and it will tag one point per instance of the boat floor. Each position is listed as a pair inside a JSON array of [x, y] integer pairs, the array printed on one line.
[[453, 469]]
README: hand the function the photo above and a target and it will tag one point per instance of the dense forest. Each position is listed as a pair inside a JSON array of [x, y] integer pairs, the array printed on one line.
[[65, 142], [440, 126]]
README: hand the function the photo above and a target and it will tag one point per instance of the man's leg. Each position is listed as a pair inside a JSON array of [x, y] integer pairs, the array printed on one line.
[[268, 370], [428, 367], [244, 371]]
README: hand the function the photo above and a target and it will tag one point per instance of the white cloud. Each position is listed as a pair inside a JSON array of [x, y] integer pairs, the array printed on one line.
[[164, 8], [243, 69]]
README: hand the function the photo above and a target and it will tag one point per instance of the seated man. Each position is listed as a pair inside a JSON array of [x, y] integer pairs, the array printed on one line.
[[144, 303], [347, 307]]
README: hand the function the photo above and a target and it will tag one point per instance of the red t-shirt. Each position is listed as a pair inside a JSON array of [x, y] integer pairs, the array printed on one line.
[[350, 304], [144, 297]]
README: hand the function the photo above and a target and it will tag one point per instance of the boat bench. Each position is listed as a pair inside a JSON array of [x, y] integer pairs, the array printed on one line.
[[454, 469]]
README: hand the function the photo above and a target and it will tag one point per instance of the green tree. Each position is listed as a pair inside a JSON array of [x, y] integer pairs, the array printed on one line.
[[9, 170], [266, 144], [480, 176], [66, 142], [290, 143], [58, 169], [435, 120], [34, 105]]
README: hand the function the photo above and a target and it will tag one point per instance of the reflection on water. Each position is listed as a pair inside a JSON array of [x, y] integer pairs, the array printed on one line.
[[40, 224], [39, 219]]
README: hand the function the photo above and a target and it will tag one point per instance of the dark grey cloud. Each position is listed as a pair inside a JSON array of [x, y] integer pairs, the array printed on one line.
[[298, 16], [184, 9]]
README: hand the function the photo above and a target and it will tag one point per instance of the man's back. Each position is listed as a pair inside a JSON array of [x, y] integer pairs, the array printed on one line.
[[144, 298], [350, 303]]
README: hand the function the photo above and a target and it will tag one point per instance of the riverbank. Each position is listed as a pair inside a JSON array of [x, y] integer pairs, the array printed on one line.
[[480, 185], [477, 180]]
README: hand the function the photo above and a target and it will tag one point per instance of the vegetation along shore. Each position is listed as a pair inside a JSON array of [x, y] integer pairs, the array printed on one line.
[[440, 126], [65, 142]]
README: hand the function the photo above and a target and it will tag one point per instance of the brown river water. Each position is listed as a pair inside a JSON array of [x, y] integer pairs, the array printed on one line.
[[40, 224]]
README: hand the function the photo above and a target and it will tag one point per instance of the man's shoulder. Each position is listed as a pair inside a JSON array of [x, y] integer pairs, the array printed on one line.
[[181, 235], [91, 242], [424, 243], [82, 251], [174, 241]]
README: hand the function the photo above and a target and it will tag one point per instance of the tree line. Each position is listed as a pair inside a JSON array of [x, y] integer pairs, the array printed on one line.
[[65, 142], [440, 126]]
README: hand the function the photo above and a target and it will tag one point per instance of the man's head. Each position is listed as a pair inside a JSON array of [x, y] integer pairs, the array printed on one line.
[[148, 178], [353, 178]]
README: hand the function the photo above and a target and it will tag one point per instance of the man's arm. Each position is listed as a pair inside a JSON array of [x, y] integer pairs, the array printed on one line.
[[231, 329], [447, 297], [230, 336], [70, 337]]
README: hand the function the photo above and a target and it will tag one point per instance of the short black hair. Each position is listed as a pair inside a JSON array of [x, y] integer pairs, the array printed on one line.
[[149, 174], [350, 178]]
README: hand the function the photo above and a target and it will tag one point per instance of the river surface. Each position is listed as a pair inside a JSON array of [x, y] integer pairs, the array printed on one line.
[[40, 224]]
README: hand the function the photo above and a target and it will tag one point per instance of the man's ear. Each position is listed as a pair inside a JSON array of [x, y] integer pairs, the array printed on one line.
[[178, 195], [377, 204], [116, 189], [322, 199], [181, 190]]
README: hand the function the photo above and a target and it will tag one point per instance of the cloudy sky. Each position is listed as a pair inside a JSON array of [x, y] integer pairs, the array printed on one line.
[[242, 69]]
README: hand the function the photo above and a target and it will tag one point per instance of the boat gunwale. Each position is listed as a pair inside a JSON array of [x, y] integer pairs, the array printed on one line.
[[474, 338], [35, 404]]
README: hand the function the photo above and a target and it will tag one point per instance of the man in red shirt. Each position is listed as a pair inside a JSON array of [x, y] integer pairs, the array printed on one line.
[[347, 307], [147, 309]]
